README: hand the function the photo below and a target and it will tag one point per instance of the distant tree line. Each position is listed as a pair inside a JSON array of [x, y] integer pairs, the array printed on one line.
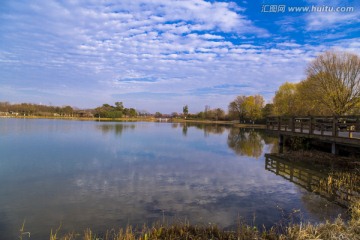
[[28, 109], [216, 114], [117, 111], [245, 109]]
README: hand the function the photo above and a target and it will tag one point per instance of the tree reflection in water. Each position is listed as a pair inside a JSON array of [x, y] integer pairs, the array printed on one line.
[[207, 128], [116, 128], [246, 142], [185, 129]]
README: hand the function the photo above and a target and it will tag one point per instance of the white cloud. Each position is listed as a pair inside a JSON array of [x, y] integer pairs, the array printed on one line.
[[328, 20], [331, 13], [170, 48]]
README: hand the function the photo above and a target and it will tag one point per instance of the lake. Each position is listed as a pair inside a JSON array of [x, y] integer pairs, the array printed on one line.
[[106, 175]]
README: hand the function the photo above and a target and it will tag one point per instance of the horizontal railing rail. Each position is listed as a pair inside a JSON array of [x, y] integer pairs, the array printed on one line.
[[337, 126]]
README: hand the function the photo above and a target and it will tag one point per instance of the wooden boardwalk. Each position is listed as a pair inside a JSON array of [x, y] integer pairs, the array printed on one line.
[[342, 130]]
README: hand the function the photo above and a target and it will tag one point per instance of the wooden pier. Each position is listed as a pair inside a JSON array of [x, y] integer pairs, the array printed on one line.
[[339, 130]]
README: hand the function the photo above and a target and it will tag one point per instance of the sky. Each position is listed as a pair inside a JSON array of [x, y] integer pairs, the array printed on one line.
[[159, 55]]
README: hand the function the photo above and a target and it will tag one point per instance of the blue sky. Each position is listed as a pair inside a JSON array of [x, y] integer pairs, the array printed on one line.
[[158, 55]]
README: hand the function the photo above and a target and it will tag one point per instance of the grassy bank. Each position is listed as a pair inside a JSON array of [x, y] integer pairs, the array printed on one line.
[[329, 230]]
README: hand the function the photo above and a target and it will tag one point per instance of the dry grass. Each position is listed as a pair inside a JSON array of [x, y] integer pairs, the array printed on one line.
[[23, 233], [344, 186], [335, 230], [329, 230]]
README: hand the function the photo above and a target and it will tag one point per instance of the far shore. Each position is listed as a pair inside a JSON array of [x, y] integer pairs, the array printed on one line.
[[144, 119]]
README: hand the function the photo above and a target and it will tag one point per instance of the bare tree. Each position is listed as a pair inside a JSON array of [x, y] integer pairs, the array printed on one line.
[[334, 80], [236, 107]]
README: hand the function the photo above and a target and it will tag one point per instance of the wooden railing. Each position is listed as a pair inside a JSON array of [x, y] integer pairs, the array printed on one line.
[[339, 126]]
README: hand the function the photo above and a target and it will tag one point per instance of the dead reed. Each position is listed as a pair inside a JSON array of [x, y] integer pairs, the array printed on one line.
[[329, 230]]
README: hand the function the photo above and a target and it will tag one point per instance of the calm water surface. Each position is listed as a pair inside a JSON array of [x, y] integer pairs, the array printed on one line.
[[105, 175]]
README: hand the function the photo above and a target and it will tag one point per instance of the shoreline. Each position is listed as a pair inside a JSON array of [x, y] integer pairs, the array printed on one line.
[[143, 119]]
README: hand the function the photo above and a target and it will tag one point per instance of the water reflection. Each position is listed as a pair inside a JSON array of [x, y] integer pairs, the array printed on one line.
[[206, 128], [311, 179], [246, 142], [319, 206], [116, 128], [210, 128], [175, 125], [184, 129], [80, 174]]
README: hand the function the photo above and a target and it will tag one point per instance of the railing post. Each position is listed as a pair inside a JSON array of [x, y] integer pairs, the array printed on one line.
[[293, 124], [301, 125], [267, 162], [281, 143], [279, 123], [311, 127], [334, 127], [357, 124], [334, 148]]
